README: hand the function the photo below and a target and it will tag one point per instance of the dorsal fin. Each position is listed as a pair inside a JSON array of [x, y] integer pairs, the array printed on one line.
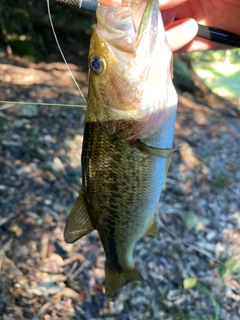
[[152, 229], [166, 172]]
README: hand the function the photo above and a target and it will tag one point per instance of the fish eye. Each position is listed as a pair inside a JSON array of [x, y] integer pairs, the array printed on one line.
[[97, 64]]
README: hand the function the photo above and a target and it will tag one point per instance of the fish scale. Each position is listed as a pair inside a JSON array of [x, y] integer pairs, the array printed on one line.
[[114, 186]]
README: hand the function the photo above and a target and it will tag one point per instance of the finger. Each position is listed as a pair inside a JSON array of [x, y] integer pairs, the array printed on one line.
[[110, 3], [164, 4], [167, 4], [168, 17], [198, 44], [181, 32]]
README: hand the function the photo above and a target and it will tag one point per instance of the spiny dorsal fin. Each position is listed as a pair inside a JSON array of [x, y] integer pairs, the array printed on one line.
[[164, 153], [78, 223]]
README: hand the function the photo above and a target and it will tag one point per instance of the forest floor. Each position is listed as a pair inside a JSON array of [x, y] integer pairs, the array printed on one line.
[[191, 270]]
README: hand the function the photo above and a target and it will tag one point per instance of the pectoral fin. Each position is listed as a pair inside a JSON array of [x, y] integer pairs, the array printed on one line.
[[78, 223], [164, 153]]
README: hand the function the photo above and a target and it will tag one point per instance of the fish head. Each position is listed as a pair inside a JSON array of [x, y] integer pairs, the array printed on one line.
[[130, 67]]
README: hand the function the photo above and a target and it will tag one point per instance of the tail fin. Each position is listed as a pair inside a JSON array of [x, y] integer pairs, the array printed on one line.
[[115, 280]]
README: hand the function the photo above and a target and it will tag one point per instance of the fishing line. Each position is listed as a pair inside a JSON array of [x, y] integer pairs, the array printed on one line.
[[206, 253], [62, 54], [39, 103], [184, 114]]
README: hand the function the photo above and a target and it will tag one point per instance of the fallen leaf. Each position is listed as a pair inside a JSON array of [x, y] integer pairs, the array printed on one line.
[[189, 283]]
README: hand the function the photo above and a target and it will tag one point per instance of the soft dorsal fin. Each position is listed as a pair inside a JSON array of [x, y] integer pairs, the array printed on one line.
[[164, 153], [152, 229], [78, 223]]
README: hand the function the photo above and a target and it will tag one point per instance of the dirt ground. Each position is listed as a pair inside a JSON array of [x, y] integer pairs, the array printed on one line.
[[191, 270]]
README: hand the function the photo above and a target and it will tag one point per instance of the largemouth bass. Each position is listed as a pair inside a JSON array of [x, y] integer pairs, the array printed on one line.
[[128, 136]]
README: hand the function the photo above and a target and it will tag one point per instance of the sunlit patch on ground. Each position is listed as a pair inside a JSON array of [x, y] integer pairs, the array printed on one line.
[[220, 73], [224, 82], [191, 269]]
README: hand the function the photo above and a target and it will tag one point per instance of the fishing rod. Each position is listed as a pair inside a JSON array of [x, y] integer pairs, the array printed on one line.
[[204, 32]]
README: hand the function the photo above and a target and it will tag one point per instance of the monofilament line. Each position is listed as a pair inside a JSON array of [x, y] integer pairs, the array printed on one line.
[[9, 104], [206, 253], [59, 47]]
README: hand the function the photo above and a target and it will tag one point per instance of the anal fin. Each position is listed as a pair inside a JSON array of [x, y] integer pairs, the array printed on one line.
[[78, 222]]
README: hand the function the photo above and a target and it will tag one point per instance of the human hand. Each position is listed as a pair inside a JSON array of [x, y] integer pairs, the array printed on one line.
[[181, 34], [220, 14]]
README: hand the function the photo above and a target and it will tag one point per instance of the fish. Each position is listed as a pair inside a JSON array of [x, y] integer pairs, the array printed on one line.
[[128, 135]]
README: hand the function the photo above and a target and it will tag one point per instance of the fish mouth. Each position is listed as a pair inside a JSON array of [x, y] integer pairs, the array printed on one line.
[[123, 27], [136, 85]]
